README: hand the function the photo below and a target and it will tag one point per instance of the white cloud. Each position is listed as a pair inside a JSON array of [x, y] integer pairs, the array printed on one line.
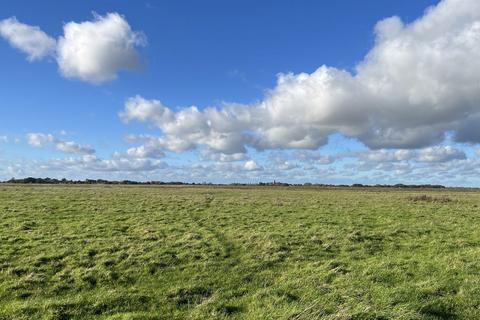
[[29, 39], [429, 154], [138, 108], [93, 51], [208, 154], [419, 81], [383, 155], [185, 129], [72, 147], [41, 140], [314, 158], [145, 151], [170, 143], [441, 154], [251, 165], [287, 165], [90, 163]]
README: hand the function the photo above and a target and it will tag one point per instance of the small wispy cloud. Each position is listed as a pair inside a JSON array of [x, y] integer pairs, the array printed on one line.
[[40, 140]]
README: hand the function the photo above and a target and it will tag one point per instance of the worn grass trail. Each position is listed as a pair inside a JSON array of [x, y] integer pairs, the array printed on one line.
[[123, 252]]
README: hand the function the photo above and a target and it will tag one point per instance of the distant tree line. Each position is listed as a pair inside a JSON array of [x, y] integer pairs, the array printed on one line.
[[31, 180]]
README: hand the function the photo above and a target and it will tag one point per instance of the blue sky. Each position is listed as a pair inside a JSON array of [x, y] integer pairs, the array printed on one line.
[[105, 90]]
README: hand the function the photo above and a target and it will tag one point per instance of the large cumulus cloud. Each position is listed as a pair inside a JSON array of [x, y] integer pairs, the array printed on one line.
[[419, 81], [93, 51], [96, 50]]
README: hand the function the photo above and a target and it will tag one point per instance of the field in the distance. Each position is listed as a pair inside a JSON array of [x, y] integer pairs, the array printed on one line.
[[123, 252]]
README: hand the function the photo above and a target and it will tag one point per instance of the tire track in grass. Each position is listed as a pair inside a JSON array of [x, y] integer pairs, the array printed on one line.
[[230, 249], [223, 279]]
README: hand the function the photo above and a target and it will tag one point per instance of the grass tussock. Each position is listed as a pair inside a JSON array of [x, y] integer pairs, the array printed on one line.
[[431, 199], [117, 252]]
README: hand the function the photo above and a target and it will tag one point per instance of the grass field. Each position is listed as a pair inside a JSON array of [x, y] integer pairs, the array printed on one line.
[[123, 252]]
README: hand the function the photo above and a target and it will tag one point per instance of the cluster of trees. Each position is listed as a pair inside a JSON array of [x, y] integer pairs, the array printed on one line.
[[274, 183]]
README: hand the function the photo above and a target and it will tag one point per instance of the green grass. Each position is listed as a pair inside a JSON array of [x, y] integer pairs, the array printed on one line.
[[122, 252]]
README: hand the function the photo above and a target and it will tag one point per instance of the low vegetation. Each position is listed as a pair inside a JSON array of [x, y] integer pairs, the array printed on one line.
[[427, 198], [171, 252]]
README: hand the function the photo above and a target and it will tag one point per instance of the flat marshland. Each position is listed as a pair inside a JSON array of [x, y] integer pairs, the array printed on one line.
[[148, 252]]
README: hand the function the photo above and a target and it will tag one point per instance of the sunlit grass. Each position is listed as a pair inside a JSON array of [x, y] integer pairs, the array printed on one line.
[[119, 252]]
